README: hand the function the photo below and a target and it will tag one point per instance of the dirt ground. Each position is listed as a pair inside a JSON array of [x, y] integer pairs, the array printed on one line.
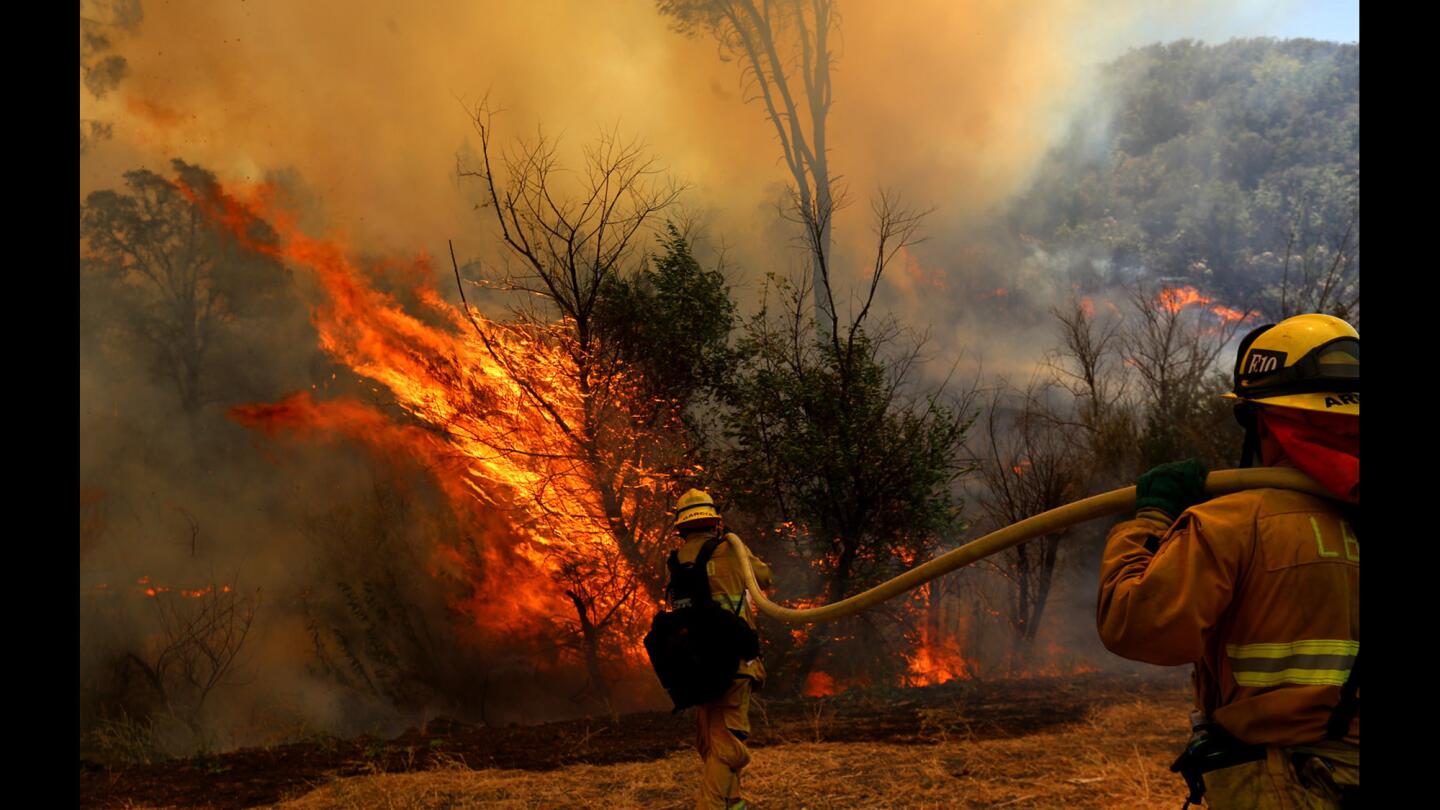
[[1096, 740]]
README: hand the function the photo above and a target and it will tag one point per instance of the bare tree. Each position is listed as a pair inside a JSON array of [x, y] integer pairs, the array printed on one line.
[[570, 239], [784, 48], [600, 587], [1323, 274], [1028, 466], [1173, 347], [1089, 365], [200, 634]]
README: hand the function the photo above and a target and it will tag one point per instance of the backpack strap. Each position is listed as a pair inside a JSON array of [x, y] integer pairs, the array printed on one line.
[[744, 594], [707, 550], [701, 559], [672, 564]]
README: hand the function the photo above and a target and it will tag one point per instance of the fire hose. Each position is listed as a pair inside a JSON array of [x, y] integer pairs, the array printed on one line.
[[1109, 503]]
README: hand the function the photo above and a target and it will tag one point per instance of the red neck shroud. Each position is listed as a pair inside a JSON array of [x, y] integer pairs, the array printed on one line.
[[1325, 447]]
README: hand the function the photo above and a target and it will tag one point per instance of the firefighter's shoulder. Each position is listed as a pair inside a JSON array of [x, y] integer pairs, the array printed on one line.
[[1276, 502], [1244, 509], [1232, 508]]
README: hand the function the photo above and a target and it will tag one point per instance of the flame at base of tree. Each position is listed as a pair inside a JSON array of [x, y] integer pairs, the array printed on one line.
[[938, 656], [528, 521], [485, 408]]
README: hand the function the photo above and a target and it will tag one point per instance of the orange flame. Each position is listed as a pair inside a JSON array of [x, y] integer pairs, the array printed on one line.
[[938, 657], [505, 465], [1177, 298], [939, 662], [819, 684], [145, 586]]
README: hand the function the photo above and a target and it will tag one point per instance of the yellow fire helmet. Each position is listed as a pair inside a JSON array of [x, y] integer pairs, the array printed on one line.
[[1310, 362], [695, 510]]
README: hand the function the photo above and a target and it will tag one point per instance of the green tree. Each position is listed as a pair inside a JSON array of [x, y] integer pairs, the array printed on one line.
[[1233, 168], [671, 323], [834, 451], [156, 269]]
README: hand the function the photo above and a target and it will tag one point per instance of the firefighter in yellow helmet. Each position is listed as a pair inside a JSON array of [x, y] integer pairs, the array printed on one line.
[[723, 725], [1259, 590]]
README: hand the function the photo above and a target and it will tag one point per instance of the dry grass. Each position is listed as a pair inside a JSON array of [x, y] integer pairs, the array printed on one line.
[[1117, 757]]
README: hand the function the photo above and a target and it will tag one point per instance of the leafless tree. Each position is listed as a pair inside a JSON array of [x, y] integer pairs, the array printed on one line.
[[1028, 466], [569, 236], [1173, 347], [200, 634], [784, 48], [1089, 365], [1322, 275], [600, 587]]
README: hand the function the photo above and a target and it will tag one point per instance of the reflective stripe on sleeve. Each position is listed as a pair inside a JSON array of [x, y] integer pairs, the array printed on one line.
[[1310, 662]]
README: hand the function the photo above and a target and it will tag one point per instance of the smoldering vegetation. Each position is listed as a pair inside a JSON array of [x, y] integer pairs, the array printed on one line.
[[1231, 168], [242, 588]]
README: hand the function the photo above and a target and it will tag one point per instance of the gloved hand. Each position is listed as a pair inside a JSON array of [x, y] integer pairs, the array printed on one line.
[[1171, 488]]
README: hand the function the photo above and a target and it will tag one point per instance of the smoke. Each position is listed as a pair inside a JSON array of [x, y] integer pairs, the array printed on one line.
[[359, 110], [954, 105]]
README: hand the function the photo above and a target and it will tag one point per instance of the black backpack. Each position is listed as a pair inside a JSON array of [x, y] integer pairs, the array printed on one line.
[[697, 646]]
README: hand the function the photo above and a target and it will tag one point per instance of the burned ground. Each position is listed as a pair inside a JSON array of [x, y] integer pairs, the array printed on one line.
[[1042, 714]]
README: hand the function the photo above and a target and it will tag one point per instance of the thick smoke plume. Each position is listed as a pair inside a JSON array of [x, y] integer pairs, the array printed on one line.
[[952, 105], [359, 110]]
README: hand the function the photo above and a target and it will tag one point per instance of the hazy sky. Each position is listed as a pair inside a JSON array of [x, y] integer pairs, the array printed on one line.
[[953, 104], [1333, 20]]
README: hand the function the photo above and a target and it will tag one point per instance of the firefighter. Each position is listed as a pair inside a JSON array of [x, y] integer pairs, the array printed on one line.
[[723, 724], [1260, 589]]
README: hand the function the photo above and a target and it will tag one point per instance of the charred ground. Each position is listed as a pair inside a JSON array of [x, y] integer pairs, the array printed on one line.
[[975, 710]]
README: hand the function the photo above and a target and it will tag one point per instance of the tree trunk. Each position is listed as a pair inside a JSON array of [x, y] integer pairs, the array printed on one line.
[[824, 317], [590, 635]]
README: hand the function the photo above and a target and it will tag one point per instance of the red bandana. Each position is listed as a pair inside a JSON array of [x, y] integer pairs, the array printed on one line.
[[1325, 447]]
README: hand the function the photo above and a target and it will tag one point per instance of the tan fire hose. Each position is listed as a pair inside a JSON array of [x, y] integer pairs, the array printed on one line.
[[1109, 503]]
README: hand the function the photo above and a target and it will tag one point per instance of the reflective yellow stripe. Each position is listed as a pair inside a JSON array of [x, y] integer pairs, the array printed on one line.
[[1322, 677], [731, 601], [1310, 662], [1284, 649]]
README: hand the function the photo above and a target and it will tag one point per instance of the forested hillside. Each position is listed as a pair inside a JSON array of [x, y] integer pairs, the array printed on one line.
[[1232, 167]]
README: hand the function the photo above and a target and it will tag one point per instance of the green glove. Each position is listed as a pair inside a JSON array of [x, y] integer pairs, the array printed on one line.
[[1172, 488]]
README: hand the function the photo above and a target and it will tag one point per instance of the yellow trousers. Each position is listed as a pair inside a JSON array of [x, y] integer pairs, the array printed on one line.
[[1274, 783], [722, 728]]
